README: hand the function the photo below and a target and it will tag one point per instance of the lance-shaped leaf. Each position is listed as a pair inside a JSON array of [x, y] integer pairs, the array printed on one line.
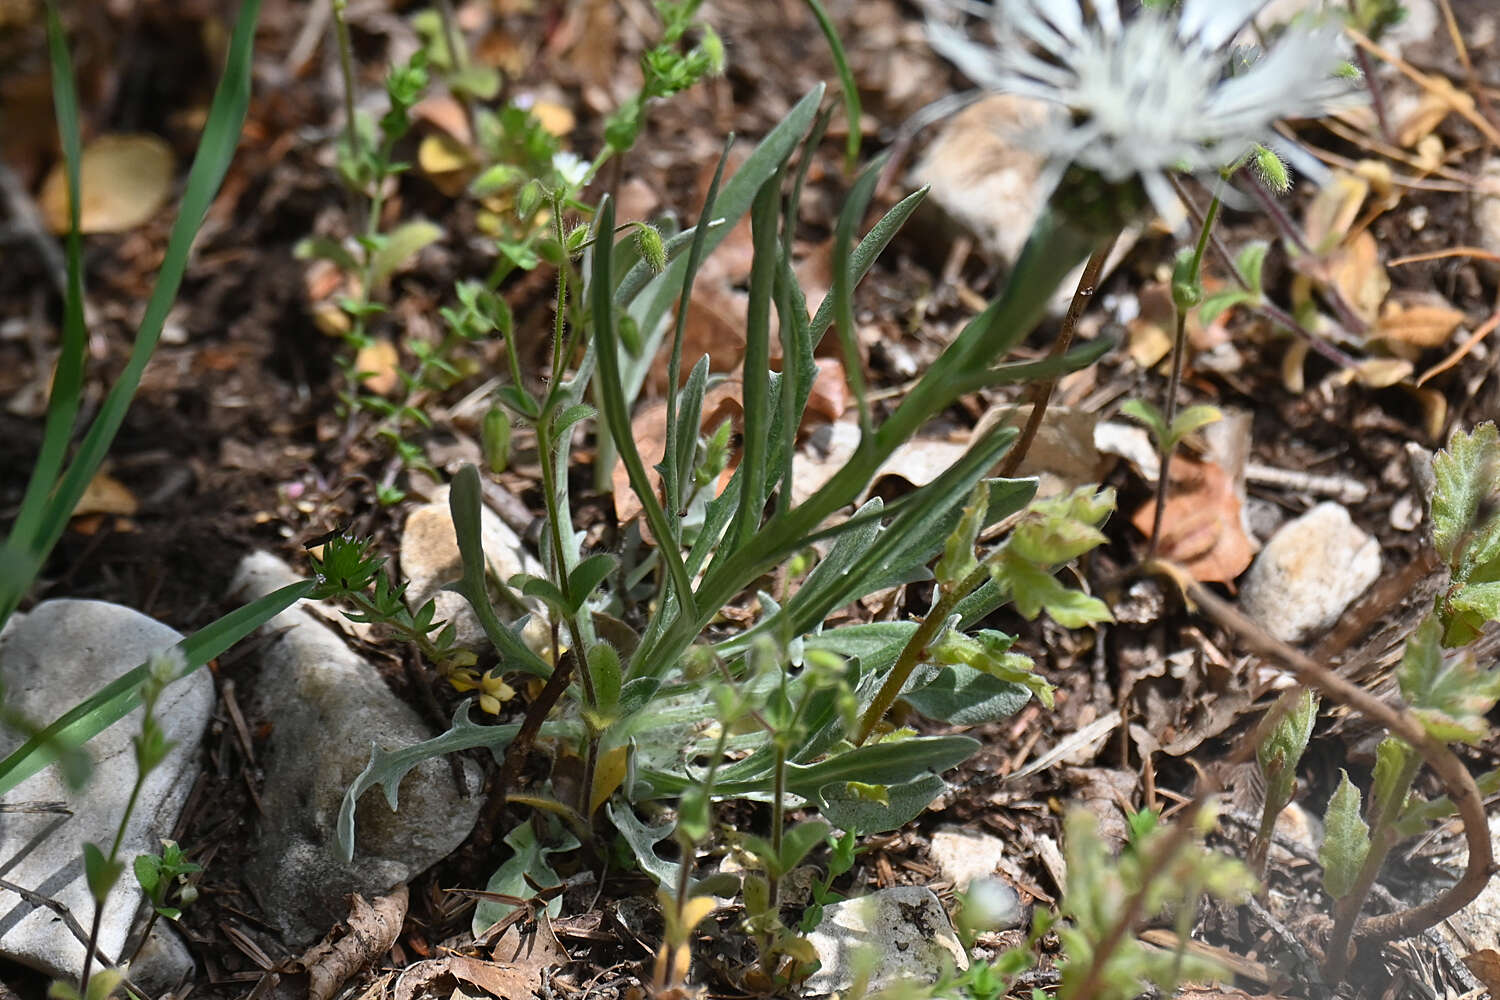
[[1346, 840]]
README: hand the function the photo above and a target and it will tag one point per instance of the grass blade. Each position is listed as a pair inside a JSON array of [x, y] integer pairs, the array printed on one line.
[[215, 150], [115, 700]]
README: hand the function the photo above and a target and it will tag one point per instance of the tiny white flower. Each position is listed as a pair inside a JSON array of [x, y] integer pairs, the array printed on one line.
[[572, 168], [1160, 91]]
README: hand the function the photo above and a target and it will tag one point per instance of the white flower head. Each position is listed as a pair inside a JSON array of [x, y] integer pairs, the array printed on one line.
[[1160, 91], [572, 169]]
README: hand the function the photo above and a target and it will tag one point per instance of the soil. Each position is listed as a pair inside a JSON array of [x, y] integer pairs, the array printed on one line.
[[235, 440]]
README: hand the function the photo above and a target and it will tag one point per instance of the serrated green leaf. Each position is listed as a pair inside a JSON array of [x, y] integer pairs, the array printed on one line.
[[1346, 840], [1056, 530], [1036, 590], [1392, 780], [1449, 693], [1465, 521], [526, 866], [989, 651], [958, 559]]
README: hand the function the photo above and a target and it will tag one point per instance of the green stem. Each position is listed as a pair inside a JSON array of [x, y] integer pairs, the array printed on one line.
[[916, 646], [1167, 445]]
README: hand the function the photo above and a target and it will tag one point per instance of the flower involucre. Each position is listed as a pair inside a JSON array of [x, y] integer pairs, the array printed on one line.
[[1159, 91]]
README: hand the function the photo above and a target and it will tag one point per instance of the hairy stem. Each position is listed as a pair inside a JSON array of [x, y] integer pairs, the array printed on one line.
[[1041, 394]]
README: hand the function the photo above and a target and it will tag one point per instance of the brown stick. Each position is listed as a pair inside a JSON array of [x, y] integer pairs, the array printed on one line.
[[1456, 779], [1041, 395]]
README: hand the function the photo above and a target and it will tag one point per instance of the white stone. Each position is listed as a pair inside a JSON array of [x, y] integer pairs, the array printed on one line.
[[50, 659], [1309, 572], [1486, 206], [430, 560], [964, 855], [904, 930], [327, 706]]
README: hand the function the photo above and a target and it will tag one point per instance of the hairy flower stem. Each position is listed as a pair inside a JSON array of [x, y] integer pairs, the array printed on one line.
[[916, 646], [1266, 310], [1179, 353], [1041, 395], [346, 68]]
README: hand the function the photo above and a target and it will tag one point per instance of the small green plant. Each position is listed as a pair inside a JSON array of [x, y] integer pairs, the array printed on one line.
[[1444, 688], [800, 710]]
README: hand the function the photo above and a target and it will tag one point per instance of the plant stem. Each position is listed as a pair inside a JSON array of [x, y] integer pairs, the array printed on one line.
[[1167, 446], [1041, 395], [346, 67], [916, 646]]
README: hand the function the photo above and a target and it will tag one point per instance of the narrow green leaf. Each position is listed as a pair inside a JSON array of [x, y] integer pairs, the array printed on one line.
[[587, 576], [847, 84], [216, 147], [116, 699]]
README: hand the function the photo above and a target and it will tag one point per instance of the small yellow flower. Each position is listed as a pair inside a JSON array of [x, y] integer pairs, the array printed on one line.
[[493, 691]]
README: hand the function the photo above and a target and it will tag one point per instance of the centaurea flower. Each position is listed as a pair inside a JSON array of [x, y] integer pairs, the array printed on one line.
[[1157, 92]]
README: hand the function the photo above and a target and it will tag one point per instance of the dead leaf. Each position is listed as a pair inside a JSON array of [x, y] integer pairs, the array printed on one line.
[[557, 119], [378, 363], [1422, 324], [649, 429], [1380, 373], [1201, 527], [1356, 271], [920, 461], [106, 495], [715, 327], [447, 162], [446, 113], [369, 932], [123, 179], [1485, 965], [1333, 210], [1063, 454], [827, 449], [829, 397], [497, 979]]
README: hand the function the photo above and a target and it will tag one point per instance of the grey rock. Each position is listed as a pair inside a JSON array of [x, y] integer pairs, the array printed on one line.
[[964, 855], [430, 560], [163, 963], [49, 659], [906, 930], [327, 705], [1309, 572]]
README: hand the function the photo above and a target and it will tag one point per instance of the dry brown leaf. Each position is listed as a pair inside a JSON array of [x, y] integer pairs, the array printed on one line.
[[123, 179], [829, 397], [920, 460], [1333, 210], [1201, 528], [1380, 373], [1421, 324], [445, 112], [715, 327], [497, 979], [828, 447], [379, 363], [446, 162], [106, 495], [1485, 964], [1356, 271], [370, 931], [555, 118], [649, 429]]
